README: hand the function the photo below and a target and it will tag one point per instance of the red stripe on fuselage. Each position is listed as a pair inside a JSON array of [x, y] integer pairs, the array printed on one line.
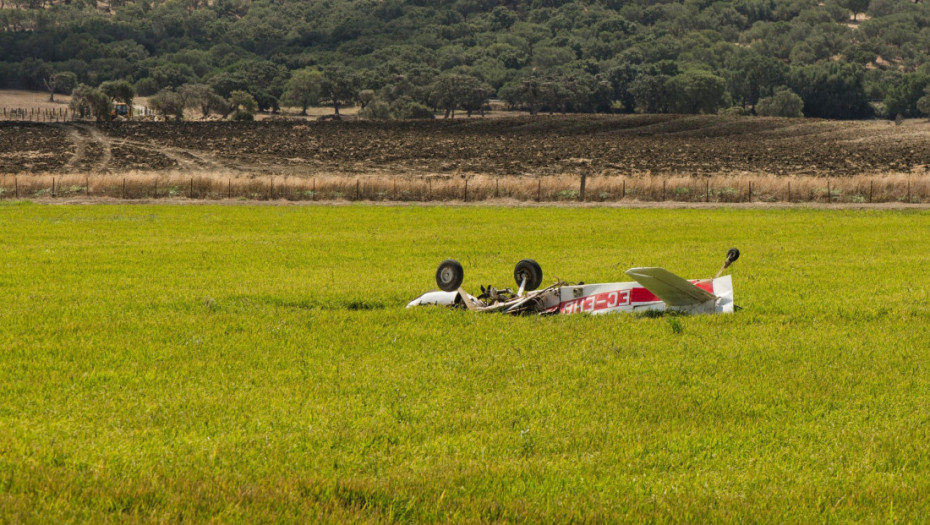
[[642, 295]]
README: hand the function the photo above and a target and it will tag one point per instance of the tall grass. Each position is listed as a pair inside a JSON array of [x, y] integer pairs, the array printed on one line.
[[256, 364], [876, 188]]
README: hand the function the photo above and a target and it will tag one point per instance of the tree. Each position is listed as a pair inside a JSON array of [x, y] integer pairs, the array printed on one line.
[[339, 86], [244, 105], [474, 95], [172, 75], [784, 103], [264, 80], [62, 82], [620, 78], [832, 90], [452, 91], [223, 84], [365, 97], [303, 89], [89, 101], [650, 94], [119, 91], [696, 91], [751, 76], [202, 97], [168, 102], [146, 87], [555, 93], [526, 93], [856, 6], [902, 92], [376, 110], [923, 104]]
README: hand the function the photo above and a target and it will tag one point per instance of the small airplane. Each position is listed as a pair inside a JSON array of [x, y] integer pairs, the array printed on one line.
[[654, 289]]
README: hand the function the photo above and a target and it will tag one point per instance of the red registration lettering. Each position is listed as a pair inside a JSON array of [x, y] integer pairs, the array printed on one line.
[[593, 303]]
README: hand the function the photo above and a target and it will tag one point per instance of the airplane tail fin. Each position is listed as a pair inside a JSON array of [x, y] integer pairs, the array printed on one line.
[[673, 290]]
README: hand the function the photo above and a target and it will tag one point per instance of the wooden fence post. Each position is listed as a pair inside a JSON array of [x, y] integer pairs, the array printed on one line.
[[497, 188], [750, 191], [623, 190], [663, 190], [16, 186], [870, 192], [789, 192], [538, 189], [908, 191], [584, 176], [357, 188], [466, 189], [706, 191], [229, 188]]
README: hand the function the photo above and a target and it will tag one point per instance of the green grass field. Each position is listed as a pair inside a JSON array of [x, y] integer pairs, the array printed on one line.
[[239, 363]]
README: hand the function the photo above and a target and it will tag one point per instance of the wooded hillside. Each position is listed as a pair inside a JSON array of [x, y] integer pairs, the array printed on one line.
[[834, 59]]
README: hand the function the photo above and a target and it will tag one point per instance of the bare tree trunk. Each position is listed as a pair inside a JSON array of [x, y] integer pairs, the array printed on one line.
[[50, 84]]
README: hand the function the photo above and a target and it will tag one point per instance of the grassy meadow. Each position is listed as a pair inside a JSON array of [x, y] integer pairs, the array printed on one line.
[[256, 363]]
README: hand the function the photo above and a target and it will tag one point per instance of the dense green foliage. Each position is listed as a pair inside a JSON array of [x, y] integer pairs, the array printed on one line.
[[256, 364], [540, 55]]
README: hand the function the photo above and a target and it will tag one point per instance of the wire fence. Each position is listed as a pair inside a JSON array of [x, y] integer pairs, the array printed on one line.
[[60, 114], [559, 188], [38, 114]]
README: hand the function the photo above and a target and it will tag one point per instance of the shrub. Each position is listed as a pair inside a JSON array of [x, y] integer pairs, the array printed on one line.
[[413, 110], [785, 103], [376, 110]]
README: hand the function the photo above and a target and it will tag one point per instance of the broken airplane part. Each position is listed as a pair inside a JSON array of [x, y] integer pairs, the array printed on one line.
[[654, 289]]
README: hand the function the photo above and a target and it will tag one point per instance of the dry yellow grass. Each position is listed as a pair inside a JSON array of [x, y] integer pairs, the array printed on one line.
[[887, 187]]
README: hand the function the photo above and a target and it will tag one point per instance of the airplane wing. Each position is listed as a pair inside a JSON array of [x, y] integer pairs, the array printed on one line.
[[673, 290]]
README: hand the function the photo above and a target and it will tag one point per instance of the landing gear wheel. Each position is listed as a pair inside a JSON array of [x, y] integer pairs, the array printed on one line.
[[732, 255], [529, 269], [449, 275]]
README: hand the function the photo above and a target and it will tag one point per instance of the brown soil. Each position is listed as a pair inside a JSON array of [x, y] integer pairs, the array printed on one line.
[[542, 145]]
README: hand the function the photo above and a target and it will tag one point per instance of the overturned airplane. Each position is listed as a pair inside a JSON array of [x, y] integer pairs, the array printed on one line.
[[654, 289]]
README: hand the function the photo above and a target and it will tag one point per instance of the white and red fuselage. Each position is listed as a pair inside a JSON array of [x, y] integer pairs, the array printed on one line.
[[597, 299]]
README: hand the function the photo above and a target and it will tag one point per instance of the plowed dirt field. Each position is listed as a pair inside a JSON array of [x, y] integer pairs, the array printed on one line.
[[542, 145]]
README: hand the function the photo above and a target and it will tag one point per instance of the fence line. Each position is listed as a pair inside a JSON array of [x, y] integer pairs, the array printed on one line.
[[37, 114], [60, 114], [556, 188]]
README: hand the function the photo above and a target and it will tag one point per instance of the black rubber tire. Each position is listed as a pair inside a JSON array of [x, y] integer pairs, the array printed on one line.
[[732, 255], [449, 275], [532, 271]]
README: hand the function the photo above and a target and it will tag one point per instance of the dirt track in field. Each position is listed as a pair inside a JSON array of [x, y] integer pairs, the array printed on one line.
[[542, 145]]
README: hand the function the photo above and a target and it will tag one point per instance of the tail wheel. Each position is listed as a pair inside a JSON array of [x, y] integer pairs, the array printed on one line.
[[449, 275], [531, 271]]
